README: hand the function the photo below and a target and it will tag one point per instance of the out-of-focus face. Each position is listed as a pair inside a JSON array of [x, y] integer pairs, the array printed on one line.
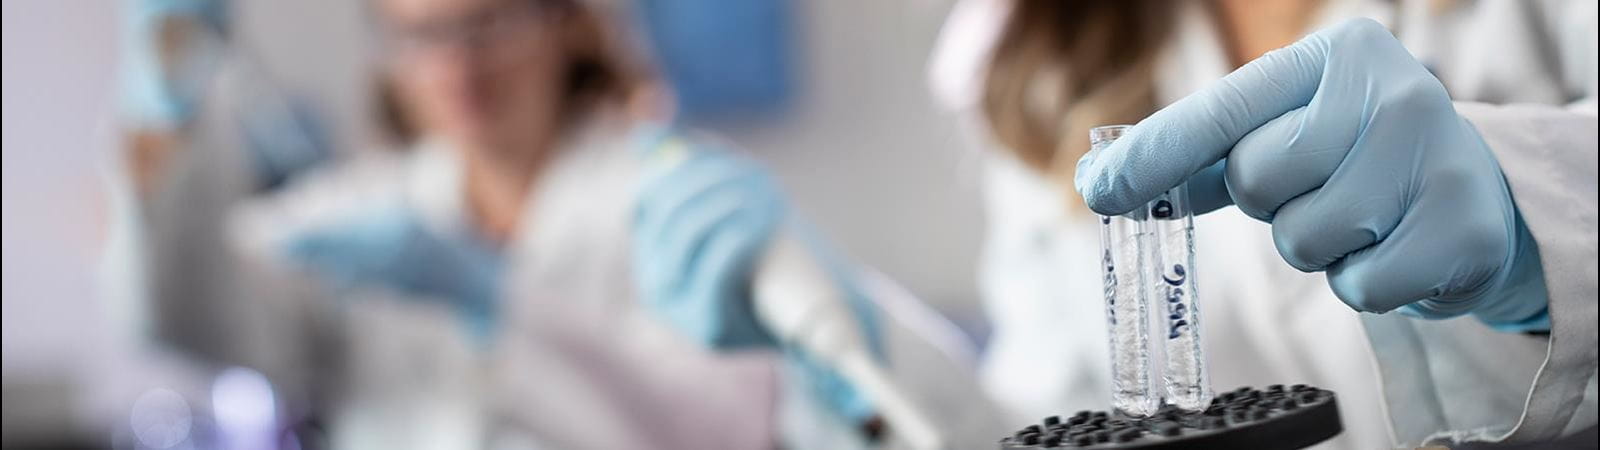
[[484, 74]]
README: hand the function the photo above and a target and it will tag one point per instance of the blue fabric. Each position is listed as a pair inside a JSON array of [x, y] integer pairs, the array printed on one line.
[[1354, 153], [391, 249], [722, 57], [701, 224]]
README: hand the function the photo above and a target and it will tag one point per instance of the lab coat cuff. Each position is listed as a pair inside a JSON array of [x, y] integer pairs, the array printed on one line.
[[1549, 158]]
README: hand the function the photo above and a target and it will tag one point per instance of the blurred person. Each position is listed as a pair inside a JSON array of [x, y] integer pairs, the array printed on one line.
[[1030, 78], [548, 264]]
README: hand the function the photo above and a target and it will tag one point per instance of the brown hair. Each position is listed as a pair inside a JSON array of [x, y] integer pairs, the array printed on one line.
[[599, 72], [1062, 67]]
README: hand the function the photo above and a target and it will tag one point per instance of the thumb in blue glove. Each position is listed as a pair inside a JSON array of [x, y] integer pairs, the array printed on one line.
[[1354, 153]]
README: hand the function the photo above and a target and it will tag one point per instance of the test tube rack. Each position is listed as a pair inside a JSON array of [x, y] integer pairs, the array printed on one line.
[[1275, 418]]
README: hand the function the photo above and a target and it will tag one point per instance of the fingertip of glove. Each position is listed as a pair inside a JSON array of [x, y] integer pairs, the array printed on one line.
[[1089, 182], [1095, 186], [1103, 190]]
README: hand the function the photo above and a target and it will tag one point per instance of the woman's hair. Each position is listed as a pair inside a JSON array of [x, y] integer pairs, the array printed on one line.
[[1062, 67], [599, 72]]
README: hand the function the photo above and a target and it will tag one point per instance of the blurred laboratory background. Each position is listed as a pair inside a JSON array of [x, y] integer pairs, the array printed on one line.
[[829, 224], [841, 114]]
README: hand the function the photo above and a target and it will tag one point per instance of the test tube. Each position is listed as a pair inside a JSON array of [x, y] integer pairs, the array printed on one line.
[[1124, 262], [1171, 220]]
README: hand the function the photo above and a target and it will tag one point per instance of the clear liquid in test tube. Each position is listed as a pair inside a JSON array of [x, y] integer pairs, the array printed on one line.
[[1171, 221], [1125, 262]]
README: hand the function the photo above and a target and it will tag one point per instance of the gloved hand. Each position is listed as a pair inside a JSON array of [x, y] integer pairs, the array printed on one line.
[[703, 220], [393, 250], [1354, 153], [161, 86]]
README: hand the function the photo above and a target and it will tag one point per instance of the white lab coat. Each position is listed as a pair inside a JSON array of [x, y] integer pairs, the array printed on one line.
[[577, 361], [1400, 381]]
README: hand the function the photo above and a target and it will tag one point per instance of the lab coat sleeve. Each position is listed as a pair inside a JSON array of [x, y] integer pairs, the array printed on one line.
[[1548, 155]]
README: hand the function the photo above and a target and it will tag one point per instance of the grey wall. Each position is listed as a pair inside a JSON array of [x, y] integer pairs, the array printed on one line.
[[59, 63], [866, 153]]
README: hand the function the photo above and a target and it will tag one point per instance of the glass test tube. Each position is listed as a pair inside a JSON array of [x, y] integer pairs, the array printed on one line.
[[1124, 259], [1171, 221]]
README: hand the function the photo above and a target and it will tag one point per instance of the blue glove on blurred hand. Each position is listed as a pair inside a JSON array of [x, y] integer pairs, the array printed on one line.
[[392, 249], [1355, 154], [163, 86], [702, 223]]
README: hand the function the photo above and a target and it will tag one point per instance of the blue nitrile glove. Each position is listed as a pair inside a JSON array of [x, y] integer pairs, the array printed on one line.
[[704, 218], [162, 92], [392, 249], [284, 133], [1356, 156]]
